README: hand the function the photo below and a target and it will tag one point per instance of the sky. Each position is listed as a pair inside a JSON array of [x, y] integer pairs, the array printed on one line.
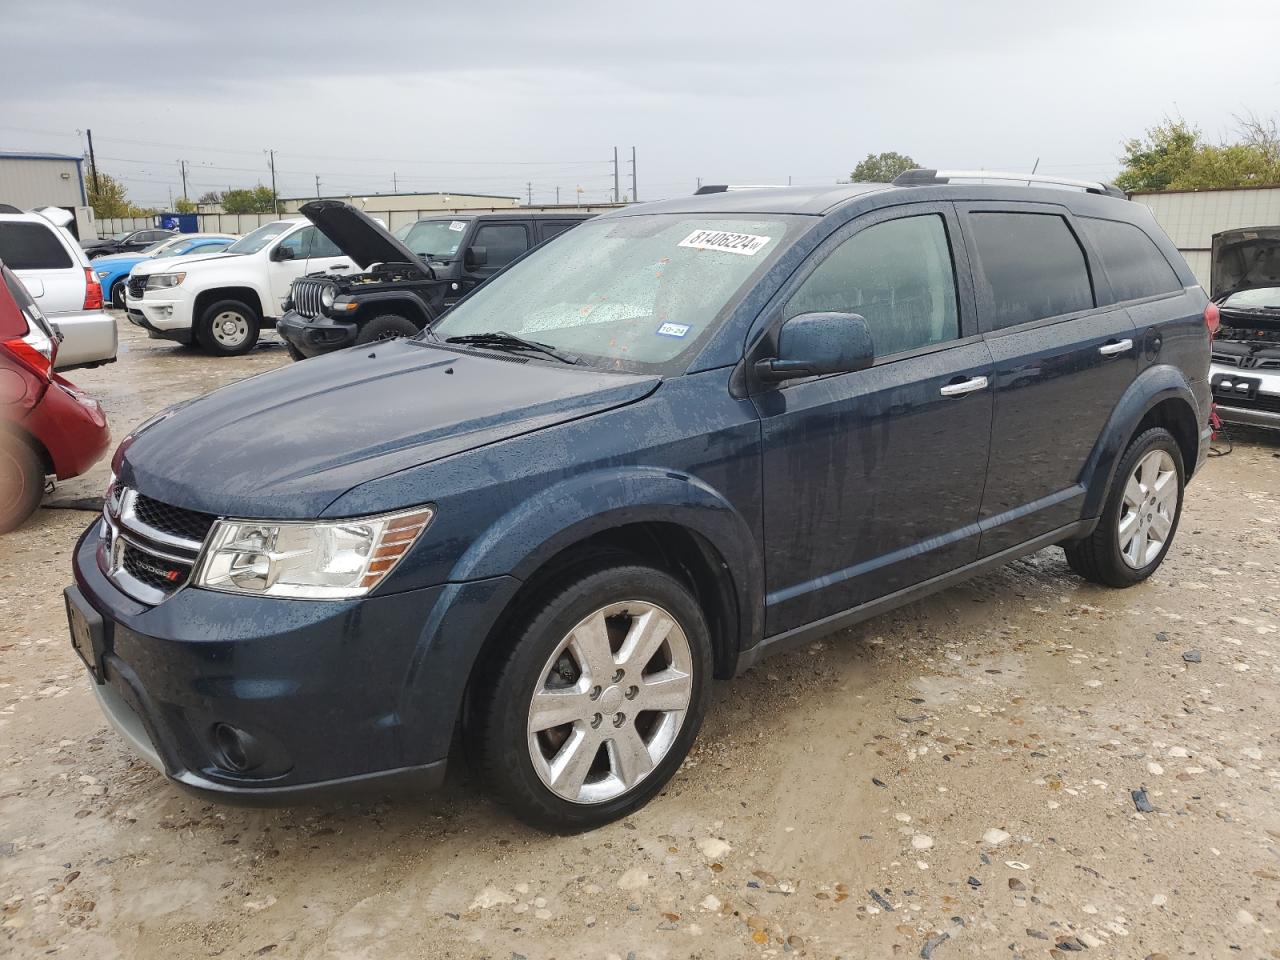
[[507, 97]]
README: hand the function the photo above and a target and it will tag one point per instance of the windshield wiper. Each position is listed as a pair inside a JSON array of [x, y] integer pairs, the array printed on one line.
[[501, 340]]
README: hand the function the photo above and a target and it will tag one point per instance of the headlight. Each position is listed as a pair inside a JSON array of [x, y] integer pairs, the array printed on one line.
[[326, 560], [326, 297], [159, 281]]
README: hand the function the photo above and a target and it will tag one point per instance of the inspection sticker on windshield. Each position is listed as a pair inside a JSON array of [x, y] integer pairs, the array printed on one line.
[[673, 330], [458, 226], [746, 244]]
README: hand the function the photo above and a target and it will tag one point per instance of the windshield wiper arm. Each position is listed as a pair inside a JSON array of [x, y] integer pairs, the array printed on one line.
[[501, 340]]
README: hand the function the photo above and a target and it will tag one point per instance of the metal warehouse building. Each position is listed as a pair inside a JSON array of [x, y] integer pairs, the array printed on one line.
[[29, 180], [1192, 217]]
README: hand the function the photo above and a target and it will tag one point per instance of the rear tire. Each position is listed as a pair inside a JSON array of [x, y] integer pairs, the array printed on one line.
[[609, 677], [228, 328], [21, 482], [1140, 516], [388, 326]]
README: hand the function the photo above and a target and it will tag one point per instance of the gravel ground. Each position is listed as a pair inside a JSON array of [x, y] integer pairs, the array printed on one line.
[[953, 779]]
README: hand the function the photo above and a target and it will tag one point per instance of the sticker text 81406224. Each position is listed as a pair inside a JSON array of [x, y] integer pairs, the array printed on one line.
[[745, 244]]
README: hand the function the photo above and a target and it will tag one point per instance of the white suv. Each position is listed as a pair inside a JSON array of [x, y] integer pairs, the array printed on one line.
[[224, 299], [37, 247]]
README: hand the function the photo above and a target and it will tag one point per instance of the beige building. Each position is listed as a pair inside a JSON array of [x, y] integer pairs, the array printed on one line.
[[33, 179], [1192, 217], [384, 203]]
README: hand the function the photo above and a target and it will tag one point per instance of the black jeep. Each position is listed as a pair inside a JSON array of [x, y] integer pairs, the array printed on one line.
[[409, 279]]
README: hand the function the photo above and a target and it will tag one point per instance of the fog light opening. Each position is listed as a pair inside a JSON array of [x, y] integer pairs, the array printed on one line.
[[238, 751]]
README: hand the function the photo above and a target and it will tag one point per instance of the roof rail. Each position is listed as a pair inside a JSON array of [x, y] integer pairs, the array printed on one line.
[[726, 187], [924, 177]]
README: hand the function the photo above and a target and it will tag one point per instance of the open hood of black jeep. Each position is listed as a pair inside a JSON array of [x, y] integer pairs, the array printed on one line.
[[357, 234], [1243, 259]]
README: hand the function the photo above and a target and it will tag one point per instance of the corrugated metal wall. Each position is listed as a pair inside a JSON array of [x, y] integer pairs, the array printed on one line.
[[1191, 218], [39, 183]]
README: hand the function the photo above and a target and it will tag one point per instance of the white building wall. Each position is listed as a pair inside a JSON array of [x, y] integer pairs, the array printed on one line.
[[1192, 217], [40, 182]]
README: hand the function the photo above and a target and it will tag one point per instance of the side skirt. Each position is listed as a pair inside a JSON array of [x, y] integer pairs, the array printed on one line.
[[838, 621]]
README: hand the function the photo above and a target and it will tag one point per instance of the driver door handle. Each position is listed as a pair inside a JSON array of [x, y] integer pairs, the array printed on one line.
[[964, 386], [1120, 346]]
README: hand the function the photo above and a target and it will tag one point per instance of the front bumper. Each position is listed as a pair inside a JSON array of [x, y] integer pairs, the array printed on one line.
[[1247, 396], [331, 695], [312, 336], [167, 319]]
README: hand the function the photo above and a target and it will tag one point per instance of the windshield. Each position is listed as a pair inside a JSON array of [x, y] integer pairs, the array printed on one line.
[[160, 245], [182, 247], [121, 236], [633, 293], [255, 241], [440, 238], [1257, 297]]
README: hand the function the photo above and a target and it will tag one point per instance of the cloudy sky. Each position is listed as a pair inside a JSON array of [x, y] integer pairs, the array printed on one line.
[[487, 97]]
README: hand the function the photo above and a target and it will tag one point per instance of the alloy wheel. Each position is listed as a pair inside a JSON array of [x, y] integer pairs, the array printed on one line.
[[610, 702], [1149, 508]]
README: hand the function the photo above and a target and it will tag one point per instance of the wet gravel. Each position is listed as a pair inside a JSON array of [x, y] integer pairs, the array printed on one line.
[[1021, 766]]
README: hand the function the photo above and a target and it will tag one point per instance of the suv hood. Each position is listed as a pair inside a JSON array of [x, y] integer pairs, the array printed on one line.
[[357, 234], [1243, 259], [286, 444]]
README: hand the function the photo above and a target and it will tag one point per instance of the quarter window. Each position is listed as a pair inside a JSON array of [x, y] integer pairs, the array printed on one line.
[[1030, 266], [1135, 266], [503, 242], [898, 275]]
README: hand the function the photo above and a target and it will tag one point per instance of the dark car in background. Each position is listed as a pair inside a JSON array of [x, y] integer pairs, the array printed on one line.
[[47, 426], [1245, 284], [128, 241], [409, 279], [682, 437]]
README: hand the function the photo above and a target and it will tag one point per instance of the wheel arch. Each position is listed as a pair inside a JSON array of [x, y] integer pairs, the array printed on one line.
[[1159, 397], [206, 298], [407, 305]]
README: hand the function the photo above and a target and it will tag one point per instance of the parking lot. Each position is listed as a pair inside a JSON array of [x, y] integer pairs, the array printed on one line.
[[951, 779]]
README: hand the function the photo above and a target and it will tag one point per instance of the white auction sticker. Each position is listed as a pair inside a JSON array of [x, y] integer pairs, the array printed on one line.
[[458, 225], [746, 244]]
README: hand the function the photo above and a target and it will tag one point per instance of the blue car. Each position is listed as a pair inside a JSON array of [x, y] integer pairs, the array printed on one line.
[[113, 271]]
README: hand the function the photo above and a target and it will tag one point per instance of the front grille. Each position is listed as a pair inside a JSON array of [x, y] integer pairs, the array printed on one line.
[[180, 522], [1264, 402], [149, 548], [306, 296], [136, 286]]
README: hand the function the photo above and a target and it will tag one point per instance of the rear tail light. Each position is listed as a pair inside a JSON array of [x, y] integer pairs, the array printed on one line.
[[34, 350], [1212, 319], [92, 291]]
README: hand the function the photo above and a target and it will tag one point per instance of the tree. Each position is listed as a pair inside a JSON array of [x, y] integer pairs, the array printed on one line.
[[882, 167], [209, 196], [108, 197], [258, 200], [183, 205], [1175, 156]]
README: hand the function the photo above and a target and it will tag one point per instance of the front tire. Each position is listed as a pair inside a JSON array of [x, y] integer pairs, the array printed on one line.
[[21, 482], [117, 294], [388, 326], [228, 328], [1140, 516], [598, 701]]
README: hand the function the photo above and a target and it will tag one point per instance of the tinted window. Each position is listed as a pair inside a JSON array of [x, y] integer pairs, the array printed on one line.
[[31, 246], [1134, 264], [299, 243], [322, 246], [898, 275], [503, 242], [555, 227], [1030, 265]]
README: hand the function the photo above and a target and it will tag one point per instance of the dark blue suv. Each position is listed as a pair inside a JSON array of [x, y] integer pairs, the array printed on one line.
[[681, 437]]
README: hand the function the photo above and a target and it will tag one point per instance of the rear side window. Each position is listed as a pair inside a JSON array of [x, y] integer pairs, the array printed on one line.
[[1134, 264], [503, 242], [554, 228], [1030, 265], [32, 246]]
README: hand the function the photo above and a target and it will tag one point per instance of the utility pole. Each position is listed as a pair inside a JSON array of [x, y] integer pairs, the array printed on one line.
[[93, 167], [528, 185], [182, 169], [275, 197], [557, 196], [395, 185], [317, 186], [699, 187], [615, 174], [635, 197]]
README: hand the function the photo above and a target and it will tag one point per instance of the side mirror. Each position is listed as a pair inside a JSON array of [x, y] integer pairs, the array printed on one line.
[[476, 256], [282, 253], [814, 344]]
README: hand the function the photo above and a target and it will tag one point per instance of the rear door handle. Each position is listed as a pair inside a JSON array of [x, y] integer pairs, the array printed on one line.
[[964, 386], [1111, 349]]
